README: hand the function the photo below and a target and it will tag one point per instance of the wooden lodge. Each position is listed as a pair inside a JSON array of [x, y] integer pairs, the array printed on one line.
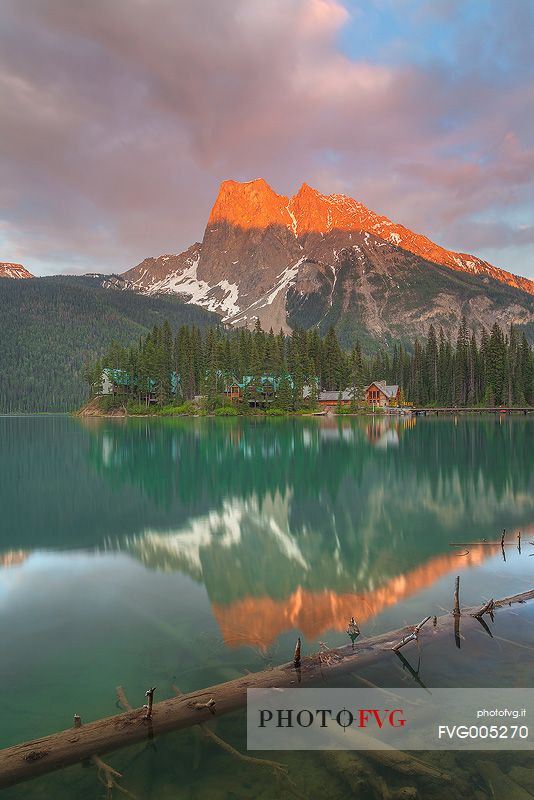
[[257, 390], [379, 394]]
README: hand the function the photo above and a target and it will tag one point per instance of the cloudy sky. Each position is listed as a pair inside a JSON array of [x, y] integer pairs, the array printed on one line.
[[119, 119]]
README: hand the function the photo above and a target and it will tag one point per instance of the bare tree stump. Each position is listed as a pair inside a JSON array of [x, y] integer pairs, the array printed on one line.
[[457, 596]]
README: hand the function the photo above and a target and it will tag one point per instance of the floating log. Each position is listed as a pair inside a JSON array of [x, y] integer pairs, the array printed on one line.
[[31, 759], [482, 543]]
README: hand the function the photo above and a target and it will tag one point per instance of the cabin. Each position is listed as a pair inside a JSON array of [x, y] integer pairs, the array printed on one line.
[[379, 393], [329, 399], [234, 391], [119, 382], [115, 382], [261, 390]]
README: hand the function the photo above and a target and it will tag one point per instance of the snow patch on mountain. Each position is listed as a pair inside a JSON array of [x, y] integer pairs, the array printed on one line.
[[284, 280], [293, 220], [195, 290]]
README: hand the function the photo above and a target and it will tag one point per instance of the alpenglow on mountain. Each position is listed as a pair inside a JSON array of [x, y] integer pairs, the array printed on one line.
[[10, 270], [321, 260]]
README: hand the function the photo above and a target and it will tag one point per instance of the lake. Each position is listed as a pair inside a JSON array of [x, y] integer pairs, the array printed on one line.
[[188, 551]]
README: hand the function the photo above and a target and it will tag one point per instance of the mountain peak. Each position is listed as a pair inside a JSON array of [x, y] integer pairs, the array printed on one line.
[[255, 205], [10, 270], [312, 211], [250, 204], [318, 260], [306, 190]]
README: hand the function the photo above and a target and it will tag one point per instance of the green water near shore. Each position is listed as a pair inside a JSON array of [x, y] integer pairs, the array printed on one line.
[[151, 552]]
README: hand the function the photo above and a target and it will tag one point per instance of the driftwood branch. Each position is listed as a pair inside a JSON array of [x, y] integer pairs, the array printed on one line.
[[30, 759], [487, 608], [123, 700], [209, 704], [411, 636], [149, 694], [296, 657], [456, 610], [281, 771], [109, 776]]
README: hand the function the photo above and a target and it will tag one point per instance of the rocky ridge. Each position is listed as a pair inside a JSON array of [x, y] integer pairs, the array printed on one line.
[[316, 259]]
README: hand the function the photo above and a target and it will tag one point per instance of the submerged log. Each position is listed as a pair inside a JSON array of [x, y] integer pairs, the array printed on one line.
[[356, 772], [31, 759], [499, 784]]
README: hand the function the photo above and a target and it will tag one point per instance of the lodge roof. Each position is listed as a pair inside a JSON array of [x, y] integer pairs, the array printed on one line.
[[389, 391], [120, 377], [262, 380], [333, 397]]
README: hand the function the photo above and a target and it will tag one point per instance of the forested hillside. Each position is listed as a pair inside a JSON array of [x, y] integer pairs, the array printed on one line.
[[51, 327]]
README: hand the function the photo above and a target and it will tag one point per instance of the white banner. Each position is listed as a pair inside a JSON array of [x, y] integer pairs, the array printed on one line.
[[380, 719]]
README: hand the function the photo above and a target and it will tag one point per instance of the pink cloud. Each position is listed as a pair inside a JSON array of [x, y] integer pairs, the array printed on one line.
[[119, 121]]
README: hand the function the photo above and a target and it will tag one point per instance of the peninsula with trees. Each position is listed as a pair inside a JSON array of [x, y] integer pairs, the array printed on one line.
[[228, 372]]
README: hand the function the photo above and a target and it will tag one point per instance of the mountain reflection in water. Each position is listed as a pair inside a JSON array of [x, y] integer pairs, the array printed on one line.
[[297, 523]]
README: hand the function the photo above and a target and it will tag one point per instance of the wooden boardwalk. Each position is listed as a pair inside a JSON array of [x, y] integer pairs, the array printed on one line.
[[471, 410]]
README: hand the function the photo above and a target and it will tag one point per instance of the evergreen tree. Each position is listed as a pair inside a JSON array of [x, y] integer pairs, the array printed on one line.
[[432, 357]]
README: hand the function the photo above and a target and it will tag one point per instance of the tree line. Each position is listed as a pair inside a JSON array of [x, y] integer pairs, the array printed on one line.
[[497, 368]]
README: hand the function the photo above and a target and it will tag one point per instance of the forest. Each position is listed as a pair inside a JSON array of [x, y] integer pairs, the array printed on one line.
[[53, 327], [495, 369]]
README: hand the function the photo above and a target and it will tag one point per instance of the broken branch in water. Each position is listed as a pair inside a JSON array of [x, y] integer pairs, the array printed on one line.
[[149, 694], [296, 657], [108, 776], [456, 610], [487, 608], [413, 635], [209, 705], [280, 770], [123, 700]]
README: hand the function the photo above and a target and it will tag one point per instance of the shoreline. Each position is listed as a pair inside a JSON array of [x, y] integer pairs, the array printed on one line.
[[87, 412], [299, 414]]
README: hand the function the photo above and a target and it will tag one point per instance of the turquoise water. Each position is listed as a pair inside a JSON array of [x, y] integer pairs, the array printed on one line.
[[153, 552]]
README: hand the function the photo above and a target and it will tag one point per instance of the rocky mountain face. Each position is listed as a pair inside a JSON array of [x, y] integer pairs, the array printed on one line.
[[9, 270], [324, 260]]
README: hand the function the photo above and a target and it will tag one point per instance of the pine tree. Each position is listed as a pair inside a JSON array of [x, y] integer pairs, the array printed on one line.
[[432, 356]]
